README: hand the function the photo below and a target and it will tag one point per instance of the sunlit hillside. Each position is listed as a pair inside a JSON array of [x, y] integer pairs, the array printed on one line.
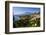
[[29, 20]]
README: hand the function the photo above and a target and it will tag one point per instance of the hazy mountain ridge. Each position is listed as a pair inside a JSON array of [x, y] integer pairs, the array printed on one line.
[[33, 15]]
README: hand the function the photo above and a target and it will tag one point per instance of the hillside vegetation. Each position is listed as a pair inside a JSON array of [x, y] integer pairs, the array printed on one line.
[[28, 21]]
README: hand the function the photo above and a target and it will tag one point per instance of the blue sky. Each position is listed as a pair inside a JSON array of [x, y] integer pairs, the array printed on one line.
[[23, 10]]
